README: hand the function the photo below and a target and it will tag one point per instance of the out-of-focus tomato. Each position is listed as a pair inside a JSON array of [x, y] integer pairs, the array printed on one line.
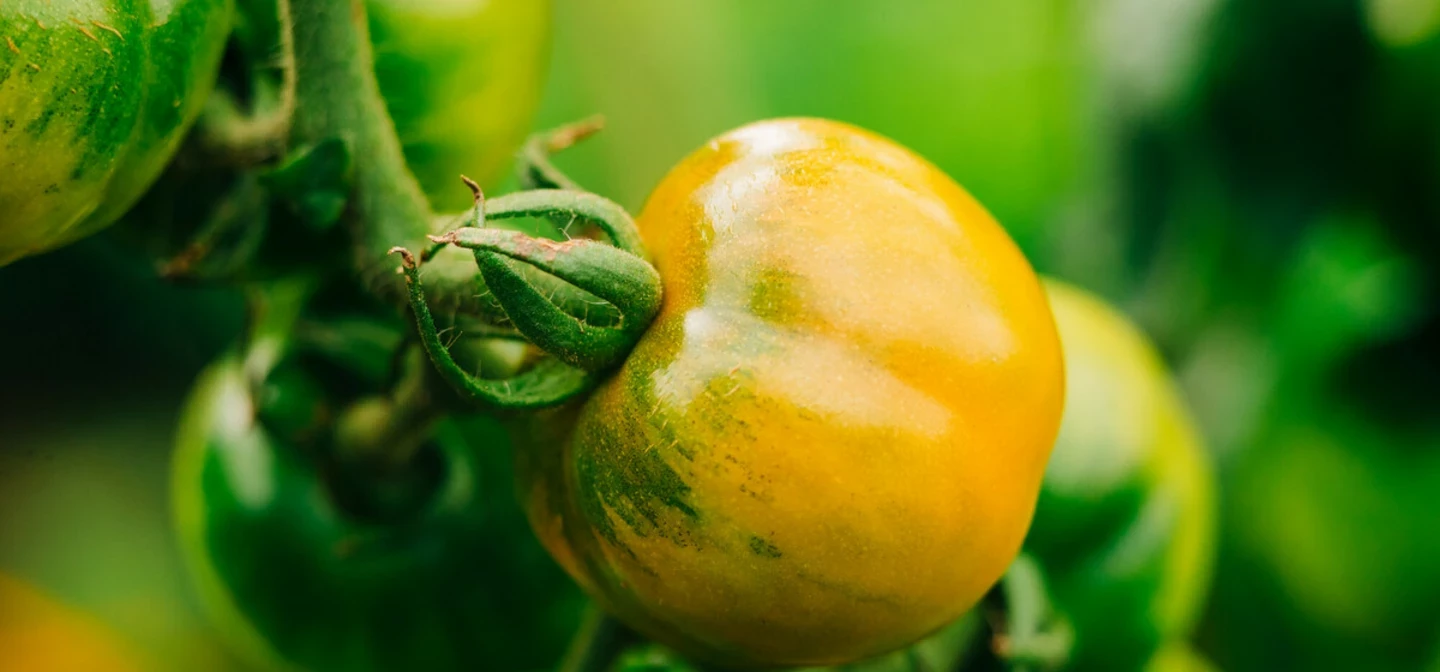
[[1125, 527], [462, 80], [94, 98], [38, 634]]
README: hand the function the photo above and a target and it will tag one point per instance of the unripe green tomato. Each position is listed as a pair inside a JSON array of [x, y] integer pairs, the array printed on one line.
[[462, 80], [304, 568], [1125, 525], [95, 96]]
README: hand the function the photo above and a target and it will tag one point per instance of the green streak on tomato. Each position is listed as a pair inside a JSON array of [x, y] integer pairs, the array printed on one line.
[[95, 96]]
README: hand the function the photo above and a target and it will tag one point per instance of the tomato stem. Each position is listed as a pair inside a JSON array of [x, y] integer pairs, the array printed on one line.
[[337, 96]]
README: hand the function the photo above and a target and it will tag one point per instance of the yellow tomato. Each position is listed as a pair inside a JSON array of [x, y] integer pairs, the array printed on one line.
[[830, 441]]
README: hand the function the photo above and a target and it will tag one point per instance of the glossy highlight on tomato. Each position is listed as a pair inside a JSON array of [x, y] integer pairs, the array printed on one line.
[[95, 96], [1126, 523], [829, 442]]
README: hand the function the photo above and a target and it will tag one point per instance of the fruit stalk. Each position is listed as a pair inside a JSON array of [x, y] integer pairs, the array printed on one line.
[[337, 96]]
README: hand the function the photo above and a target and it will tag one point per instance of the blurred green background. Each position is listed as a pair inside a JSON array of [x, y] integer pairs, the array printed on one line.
[[1256, 182]]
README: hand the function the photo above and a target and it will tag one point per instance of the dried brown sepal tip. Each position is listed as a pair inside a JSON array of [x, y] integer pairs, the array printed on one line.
[[569, 134], [407, 258], [475, 189]]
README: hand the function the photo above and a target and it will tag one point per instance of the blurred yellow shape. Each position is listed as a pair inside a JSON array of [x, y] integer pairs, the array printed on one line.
[[38, 634]]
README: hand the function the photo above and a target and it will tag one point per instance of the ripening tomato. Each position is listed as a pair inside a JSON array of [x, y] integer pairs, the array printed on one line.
[[829, 442], [95, 96]]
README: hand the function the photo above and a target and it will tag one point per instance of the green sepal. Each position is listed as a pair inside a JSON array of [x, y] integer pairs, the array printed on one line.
[[315, 182], [548, 382], [534, 168], [568, 208], [619, 278]]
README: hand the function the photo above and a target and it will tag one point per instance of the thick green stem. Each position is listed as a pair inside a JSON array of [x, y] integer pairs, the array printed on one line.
[[337, 96]]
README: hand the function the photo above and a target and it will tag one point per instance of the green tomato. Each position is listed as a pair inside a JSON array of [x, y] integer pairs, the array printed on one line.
[[95, 96], [1125, 525], [462, 80], [301, 562]]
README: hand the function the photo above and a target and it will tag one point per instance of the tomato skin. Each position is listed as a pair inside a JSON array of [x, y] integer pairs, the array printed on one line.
[[1126, 521], [292, 577], [38, 634], [95, 96], [829, 442], [462, 81]]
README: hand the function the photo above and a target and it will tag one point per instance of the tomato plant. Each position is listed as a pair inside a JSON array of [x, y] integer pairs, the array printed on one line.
[[1125, 524], [95, 96]]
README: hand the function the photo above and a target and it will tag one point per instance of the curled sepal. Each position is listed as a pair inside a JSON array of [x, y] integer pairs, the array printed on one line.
[[548, 382], [566, 208], [534, 166], [628, 283]]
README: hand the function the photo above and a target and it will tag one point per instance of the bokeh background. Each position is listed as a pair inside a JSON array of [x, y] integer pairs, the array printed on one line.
[[1256, 182]]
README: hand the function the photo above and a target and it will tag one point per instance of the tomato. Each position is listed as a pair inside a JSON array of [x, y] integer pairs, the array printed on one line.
[[38, 634], [95, 96], [462, 81], [1125, 525], [298, 560], [829, 442]]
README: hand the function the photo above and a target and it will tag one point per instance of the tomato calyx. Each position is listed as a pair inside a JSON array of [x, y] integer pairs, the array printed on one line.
[[583, 302]]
